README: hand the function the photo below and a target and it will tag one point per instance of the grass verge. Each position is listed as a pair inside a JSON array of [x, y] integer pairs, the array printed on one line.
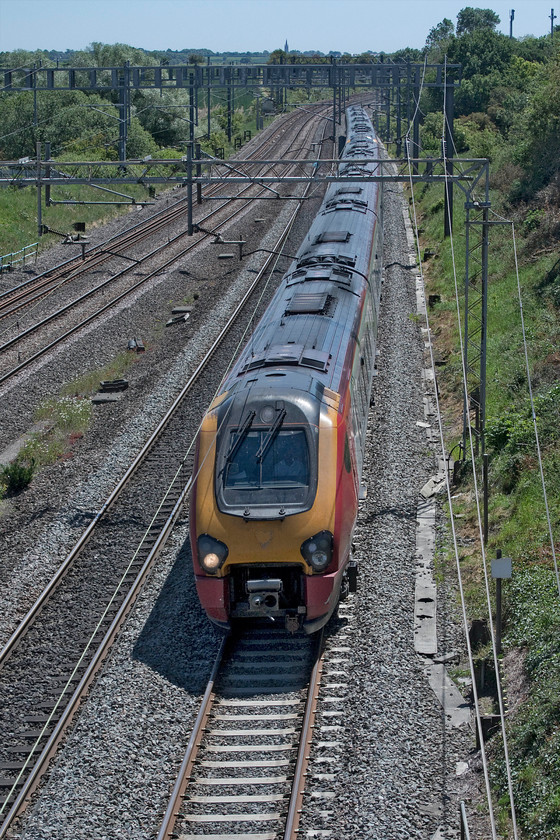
[[518, 520]]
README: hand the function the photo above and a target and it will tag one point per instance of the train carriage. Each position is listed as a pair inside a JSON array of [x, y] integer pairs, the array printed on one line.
[[280, 450]]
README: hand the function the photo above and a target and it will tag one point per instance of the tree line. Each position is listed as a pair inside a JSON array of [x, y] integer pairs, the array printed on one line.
[[507, 106]]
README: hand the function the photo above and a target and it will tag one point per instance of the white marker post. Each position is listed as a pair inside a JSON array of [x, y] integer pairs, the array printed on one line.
[[501, 568]]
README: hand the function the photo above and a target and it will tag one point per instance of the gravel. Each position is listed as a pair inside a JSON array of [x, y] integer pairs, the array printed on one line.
[[396, 759]]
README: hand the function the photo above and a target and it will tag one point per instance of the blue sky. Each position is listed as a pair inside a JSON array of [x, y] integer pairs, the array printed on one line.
[[247, 25]]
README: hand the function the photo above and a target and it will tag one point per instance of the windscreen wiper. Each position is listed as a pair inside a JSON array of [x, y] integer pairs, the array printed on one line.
[[267, 442], [242, 433]]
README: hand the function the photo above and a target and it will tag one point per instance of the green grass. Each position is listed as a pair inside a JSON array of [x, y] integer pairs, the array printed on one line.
[[534, 731], [68, 418], [88, 384], [68, 414], [517, 514], [18, 214]]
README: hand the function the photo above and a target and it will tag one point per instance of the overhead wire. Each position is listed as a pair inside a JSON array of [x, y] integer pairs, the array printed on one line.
[[476, 699], [453, 529], [533, 413], [417, 101], [541, 476], [483, 554]]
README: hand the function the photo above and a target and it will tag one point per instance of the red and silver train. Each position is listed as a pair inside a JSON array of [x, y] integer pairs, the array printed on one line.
[[279, 455]]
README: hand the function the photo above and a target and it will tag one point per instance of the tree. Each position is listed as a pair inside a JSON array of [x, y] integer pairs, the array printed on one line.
[[165, 118], [72, 121], [536, 132], [534, 49], [481, 52], [366, 58], [439, 38], [470, 20], [24, 58], [277, 57], [485, 56], [116, 55], [406, 54]]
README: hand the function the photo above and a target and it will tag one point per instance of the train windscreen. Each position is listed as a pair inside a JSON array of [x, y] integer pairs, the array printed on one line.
[[271, 466]]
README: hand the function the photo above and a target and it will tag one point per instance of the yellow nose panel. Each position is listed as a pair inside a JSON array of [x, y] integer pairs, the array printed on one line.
[[263, 536]]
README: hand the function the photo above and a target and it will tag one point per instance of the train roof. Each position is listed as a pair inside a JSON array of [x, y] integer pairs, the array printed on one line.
[[315, 314]]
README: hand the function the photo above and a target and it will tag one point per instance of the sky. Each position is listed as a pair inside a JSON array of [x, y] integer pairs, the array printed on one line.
[[352, 26]]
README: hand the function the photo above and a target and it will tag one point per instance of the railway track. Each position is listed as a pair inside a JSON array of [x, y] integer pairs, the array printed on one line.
[[382, 760], [24, 347], [263, 756], [85, 604], [244, 769], [34, 289]]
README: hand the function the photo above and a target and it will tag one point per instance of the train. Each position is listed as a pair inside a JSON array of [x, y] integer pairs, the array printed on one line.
[[278, 463]]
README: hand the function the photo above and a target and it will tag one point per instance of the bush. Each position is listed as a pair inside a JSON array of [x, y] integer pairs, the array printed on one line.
[[511, 437], [533, 220], [514, 431], [70, 417], [534, 739], [480, 137], [17, 475]]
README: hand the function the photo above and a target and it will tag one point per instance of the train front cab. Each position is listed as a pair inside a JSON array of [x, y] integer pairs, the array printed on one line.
[[284, 545]]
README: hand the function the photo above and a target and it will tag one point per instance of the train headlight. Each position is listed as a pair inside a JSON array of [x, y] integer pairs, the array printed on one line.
[[317, 550], [212, 553]]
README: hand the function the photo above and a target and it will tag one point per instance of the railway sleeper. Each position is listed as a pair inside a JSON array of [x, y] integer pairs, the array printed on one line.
[[112, 385]]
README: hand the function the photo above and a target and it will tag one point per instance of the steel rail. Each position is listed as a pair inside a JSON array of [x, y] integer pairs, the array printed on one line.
[[172, 812], [19, 297], [51, 282], [95, 256], [463, 821], [38, 605], [298, 790], [139, 233], [69, 711], [167, 828], [70, 708], [41, 352], [54, 315], [59, 339]]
